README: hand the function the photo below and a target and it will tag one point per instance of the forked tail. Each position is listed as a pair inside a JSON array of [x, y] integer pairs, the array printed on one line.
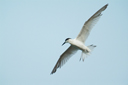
[[85, 55]]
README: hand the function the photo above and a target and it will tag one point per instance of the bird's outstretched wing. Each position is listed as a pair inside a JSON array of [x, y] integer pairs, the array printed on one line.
[[82, 36], [64, 57]]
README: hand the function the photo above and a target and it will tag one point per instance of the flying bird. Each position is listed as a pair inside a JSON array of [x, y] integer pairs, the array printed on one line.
[[78, 43]]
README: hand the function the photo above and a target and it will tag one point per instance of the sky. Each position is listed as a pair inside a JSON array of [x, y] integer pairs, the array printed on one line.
[[32, 32]]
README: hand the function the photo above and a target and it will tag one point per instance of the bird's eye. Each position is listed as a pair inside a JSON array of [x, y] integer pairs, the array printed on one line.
[[67, 39]]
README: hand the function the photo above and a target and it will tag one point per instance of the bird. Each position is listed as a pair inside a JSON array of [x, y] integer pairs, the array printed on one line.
[[78, 43]]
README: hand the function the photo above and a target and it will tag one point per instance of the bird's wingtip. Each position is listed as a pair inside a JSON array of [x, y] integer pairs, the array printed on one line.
[[53, 71], [107, 4]]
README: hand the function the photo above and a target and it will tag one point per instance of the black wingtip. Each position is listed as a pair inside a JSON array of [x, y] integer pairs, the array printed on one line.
[[53, 71], [106, 5]]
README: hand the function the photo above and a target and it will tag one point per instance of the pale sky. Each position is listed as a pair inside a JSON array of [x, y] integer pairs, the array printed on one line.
[[32, 32]]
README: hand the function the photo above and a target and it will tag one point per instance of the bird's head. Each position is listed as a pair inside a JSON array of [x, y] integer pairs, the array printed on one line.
[[66, 41]]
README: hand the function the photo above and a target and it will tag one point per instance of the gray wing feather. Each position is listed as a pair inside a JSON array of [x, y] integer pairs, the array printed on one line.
[[64, 57], [82, 36]]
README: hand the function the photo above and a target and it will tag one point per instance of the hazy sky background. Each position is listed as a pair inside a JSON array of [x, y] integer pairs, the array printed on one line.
[[32, 32]]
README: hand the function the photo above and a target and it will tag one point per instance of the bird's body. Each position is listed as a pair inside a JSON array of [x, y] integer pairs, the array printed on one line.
[[80, 45], [78, 42]]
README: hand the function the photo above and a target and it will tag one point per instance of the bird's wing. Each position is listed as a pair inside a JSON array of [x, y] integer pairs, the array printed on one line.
[[82, 36], [64, 57]]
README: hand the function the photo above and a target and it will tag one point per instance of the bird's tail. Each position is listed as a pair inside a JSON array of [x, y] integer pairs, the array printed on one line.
[[85, 55], [91, 47]]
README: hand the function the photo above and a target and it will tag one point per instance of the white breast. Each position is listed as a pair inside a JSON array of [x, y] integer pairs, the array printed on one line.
[[79, 44]]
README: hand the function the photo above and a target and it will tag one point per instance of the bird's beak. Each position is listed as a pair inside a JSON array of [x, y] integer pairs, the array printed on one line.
[[63, 43]]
